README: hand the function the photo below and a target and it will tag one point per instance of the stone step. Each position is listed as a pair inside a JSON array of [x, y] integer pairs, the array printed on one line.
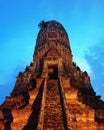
[[53, 109], [21, 116]]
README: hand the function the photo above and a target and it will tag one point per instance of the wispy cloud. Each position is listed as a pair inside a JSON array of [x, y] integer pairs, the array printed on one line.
[[83, 64], [95, 58], [7, 82]]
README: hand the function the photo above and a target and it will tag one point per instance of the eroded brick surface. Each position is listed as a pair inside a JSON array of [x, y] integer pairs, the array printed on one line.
[[52, 93]]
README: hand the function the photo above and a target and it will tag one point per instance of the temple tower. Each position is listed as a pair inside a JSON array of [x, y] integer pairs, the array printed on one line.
[[52, 49], [52, 93]]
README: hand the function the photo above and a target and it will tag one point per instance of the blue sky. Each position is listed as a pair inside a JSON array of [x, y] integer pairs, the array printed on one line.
[[83, 21]]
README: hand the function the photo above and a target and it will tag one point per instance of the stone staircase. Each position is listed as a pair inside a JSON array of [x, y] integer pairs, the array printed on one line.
[[53, 116], [26, 118], [20, 117]]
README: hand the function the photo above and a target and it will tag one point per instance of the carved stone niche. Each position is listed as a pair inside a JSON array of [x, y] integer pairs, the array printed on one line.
[[52, 35]]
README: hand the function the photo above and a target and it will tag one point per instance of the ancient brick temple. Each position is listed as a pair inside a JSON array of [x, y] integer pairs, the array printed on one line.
[[52, 93]]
